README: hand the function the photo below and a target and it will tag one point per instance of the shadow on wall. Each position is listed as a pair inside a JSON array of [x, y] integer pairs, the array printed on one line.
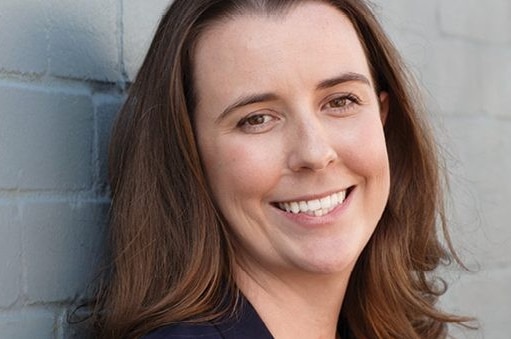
[[84, 40], [59, 66]]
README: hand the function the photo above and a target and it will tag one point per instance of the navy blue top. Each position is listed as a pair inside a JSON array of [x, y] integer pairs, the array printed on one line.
[[245, 325]]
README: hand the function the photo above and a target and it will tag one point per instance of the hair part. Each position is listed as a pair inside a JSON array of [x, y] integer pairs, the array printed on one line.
[[172, 256]]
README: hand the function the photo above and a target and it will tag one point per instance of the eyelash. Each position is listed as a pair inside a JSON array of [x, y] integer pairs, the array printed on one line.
[[244, 123], [349, 99]]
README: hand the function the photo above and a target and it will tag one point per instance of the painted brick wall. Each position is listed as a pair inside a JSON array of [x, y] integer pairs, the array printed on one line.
[[460, 50], [61, 82], [63, 69]]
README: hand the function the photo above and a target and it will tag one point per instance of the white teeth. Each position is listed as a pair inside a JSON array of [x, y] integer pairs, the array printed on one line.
[[325, 203], [334, 200], [316, 207], [295, 208], [341, 196]]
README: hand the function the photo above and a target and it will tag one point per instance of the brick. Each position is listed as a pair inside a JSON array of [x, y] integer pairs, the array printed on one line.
[[10, 252], [23, 40], [452, 74], [495, 86], [411, 26], [76, 324], [485, 295], [481, 188], [63, 244], [27, 324], [105, 114], [46, 140], [405, 15], [137, 34], [84, 39], [488, 22], [414, 48]]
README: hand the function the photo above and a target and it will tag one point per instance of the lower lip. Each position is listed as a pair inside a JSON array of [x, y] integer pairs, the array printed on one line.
[[330, 217]]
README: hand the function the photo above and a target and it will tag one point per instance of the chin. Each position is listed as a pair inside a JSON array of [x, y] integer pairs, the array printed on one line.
[[330, 264]]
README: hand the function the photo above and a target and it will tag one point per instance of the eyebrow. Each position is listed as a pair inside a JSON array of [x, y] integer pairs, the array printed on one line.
[[245, 101], [345, 77], [250, 99]]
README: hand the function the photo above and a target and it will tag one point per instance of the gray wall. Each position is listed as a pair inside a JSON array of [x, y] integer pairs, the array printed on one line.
[[460, 51], [63, 66]]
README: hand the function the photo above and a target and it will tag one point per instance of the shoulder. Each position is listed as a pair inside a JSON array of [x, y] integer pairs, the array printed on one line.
[[184, 330], [244, 324]]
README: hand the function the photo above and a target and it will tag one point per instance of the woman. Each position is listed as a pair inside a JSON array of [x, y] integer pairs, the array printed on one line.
[[272, 177]]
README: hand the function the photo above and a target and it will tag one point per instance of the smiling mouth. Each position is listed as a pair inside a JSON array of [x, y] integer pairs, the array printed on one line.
[[315, 207]]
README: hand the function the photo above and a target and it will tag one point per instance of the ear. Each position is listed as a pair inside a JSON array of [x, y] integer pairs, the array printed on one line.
[[384, 106]]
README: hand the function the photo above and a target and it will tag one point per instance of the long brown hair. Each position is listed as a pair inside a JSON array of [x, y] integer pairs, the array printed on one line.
[[171, 250]]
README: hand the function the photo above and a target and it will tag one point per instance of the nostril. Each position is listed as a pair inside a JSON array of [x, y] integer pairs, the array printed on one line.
[[312, 157]]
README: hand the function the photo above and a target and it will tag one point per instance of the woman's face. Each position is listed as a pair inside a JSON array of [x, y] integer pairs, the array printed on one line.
[[290, 131]]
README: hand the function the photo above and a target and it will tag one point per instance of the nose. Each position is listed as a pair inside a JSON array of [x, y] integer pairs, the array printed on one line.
[[311, 147]]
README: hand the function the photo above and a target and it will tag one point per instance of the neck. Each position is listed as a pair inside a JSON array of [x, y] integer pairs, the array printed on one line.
[[295, 305]]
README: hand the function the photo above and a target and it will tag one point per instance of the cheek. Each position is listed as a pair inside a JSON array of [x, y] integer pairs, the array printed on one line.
[[238, 169], [367, 151], [377, 165]]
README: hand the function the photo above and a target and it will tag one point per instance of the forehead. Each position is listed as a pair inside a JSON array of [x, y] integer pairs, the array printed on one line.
[[311, 41]]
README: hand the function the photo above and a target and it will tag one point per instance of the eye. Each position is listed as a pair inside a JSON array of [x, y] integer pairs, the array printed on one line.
[[338, 102], [257, 119], [342, 102], [256, 123]]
